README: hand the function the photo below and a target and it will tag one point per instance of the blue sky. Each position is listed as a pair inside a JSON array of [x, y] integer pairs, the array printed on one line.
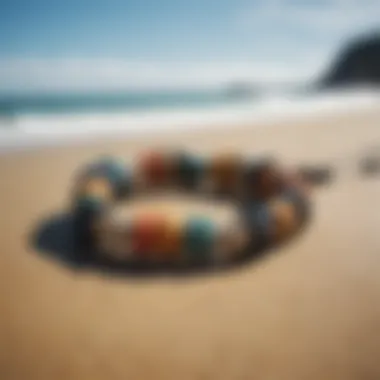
[[78, 44], [134, 29]]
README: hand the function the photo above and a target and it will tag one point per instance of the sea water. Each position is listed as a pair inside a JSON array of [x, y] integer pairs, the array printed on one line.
[[36, 120], [84, 103]]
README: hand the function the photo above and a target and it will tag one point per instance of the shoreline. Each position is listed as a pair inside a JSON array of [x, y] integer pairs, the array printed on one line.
[[46, 131]]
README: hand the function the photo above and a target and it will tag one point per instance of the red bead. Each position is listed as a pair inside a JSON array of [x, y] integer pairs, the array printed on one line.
[[155, 167], [147, 232]]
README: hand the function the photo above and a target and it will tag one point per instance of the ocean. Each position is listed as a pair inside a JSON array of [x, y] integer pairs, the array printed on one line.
[[66, 103], [48, 119]]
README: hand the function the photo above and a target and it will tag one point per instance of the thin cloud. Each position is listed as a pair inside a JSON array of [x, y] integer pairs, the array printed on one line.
[[332, 20]]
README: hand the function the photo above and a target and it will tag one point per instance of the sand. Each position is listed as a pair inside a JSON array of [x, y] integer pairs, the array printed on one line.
[[310, 310]]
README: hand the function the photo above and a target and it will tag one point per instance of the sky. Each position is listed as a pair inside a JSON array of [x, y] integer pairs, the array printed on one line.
[[80, 45]]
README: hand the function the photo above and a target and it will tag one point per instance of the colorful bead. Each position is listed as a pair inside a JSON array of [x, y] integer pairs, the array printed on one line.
[[147, 231], [96, 187], [284, 218], [155, 168], [88, 203], [114, 236], [171, 242], [189, 170], [262, 179], [258, 216], [119, 176], [91, 196], [225, 171], [232, 237], [300, 204], [114, 171], [200, 236]]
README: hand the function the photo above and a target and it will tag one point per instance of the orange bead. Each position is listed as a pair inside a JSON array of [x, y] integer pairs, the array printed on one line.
[[171, 242]]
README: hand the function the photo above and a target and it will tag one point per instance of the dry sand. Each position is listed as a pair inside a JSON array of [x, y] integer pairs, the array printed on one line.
[[310, 310]]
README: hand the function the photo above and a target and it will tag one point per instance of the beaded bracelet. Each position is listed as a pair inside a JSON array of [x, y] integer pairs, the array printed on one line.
[[272, 206]]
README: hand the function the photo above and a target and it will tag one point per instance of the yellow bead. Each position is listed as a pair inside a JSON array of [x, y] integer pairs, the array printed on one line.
[[96, 187]]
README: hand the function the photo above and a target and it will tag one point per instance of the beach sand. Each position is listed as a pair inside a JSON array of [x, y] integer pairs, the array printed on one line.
[[309, 310]]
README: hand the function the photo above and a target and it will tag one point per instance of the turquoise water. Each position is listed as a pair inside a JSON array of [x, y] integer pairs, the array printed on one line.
[[113, 102]]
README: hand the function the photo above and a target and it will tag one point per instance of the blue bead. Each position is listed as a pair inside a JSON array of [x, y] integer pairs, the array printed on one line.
[[263, 219], [199, 238], [260, 221]]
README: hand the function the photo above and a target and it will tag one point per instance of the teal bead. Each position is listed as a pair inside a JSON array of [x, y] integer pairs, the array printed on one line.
[[200, 235], [88, 203], [115, 171], [120, 177]]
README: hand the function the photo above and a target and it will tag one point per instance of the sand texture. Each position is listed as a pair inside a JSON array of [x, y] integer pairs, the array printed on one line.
[[309, 310]]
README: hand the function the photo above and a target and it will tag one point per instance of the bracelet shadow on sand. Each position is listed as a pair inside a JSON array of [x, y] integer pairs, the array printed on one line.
[[54, 238]]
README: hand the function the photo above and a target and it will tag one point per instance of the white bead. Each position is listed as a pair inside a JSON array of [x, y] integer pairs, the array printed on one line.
[[114, 235]]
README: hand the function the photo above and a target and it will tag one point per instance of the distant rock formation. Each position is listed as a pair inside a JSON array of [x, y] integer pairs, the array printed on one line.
[[358, 63]]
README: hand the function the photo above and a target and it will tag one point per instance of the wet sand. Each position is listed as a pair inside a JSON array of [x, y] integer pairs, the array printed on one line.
[[309, 310]]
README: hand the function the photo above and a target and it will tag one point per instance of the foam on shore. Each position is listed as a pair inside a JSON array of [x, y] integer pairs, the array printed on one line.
[[27, 131]]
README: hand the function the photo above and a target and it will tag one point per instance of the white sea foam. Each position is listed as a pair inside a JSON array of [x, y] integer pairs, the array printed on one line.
[[49, 130]]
